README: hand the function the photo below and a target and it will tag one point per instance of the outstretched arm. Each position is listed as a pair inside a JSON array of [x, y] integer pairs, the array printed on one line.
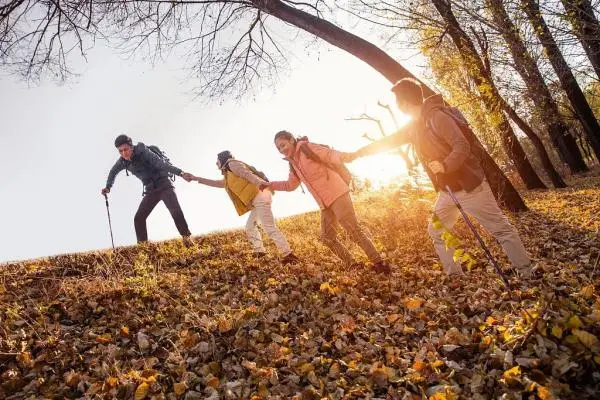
[[284, 186], [209, 182], [401, 137], [329, 155]]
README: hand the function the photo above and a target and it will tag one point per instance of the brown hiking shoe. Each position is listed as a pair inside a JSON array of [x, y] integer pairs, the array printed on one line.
[[290, 259], [382, 268]]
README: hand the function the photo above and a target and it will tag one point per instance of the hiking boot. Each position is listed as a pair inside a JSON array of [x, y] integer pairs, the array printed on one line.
[[382, 268], [290, 259]]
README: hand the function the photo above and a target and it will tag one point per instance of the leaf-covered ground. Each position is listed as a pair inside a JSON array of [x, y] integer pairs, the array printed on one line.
[[210, 322]]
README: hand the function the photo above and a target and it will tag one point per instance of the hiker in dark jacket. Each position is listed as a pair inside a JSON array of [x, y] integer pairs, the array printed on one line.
[[154, 174], [450, 161]]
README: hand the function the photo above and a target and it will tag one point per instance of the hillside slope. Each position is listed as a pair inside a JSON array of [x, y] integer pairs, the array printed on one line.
[[208, 322]]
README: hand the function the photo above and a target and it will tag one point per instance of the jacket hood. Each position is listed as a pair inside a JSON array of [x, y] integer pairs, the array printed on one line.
[[431, 103]]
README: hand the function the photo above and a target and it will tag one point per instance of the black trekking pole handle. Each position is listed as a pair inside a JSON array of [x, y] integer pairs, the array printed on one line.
[[479, 238], [109, 221]]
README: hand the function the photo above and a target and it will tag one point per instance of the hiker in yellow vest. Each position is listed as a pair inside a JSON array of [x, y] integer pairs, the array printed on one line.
[[242, 181]]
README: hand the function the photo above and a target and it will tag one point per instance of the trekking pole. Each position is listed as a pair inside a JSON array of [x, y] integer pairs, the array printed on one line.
[[109, 222], [479, 239]]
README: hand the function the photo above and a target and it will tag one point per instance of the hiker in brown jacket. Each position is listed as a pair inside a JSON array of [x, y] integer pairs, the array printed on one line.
[[450, 161]]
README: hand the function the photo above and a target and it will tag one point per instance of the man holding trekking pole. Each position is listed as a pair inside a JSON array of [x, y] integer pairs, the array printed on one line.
[[456, 172], [155, 171]]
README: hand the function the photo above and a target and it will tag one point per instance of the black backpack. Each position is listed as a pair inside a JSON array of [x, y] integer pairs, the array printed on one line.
[[163, 157]]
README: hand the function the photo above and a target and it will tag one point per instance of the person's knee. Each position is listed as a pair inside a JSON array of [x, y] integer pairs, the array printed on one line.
[[175, 210], [503, 229], [355, 233], [139, 217]]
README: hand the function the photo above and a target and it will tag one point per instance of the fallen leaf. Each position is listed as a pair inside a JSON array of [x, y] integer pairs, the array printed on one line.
[[142, 391], [179, 388], [590, 341]]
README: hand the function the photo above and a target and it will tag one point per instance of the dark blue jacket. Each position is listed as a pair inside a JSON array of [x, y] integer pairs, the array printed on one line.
[[145, 165]]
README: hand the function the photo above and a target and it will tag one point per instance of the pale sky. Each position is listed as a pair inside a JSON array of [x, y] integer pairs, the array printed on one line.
[[57, 145]]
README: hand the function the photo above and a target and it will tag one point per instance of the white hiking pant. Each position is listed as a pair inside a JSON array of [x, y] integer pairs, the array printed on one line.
[[263, 215], [481, 205]]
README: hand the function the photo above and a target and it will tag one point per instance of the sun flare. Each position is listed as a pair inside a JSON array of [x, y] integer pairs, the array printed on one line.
[[380, 170]]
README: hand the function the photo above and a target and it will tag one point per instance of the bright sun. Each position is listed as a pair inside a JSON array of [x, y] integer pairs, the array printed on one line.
[[380, 169]]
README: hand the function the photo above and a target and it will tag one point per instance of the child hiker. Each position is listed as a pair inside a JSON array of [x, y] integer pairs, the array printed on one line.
[[241, 182], [322, 170]]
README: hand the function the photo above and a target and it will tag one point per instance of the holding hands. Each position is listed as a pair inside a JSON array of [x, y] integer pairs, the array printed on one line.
[[187, 176]]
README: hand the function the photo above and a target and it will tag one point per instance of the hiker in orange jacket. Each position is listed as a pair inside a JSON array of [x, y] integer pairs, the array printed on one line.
[[321, 169]]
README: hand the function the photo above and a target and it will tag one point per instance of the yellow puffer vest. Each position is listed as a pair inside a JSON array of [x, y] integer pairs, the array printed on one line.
[[241, 192]]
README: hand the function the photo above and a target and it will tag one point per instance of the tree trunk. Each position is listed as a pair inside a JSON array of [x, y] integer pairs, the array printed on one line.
[[565, 75], [504, 191], [586, 28], [489, 94], [554, 176], [537, 90]]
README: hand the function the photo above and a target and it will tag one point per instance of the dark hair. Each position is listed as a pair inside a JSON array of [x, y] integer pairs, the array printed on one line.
[[284, 135], [409, 90], [223, 157], [123, 139]]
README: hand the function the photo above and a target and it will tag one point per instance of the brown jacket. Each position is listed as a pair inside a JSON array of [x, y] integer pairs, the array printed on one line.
[[437, 136]]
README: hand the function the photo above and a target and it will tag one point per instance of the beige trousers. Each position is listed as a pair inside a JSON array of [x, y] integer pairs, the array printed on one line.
[[262, 214], [481, 205]]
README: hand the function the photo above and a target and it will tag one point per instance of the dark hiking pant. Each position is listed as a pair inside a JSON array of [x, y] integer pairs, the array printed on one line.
[[150, 200]]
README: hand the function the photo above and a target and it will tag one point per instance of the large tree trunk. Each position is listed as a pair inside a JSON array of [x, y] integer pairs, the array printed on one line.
[[537, 90], [554, 176], [565, 75], [586, 28], [504, 191], [491, 97]]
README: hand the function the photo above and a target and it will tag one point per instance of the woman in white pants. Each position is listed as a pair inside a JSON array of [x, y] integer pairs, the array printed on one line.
[[241, 182]]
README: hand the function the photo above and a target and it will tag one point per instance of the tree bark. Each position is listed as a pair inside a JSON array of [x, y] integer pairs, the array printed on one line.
[[537, 90], [503, 189], [490, 96], [554, 176], [586, 28], [565, 75]]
